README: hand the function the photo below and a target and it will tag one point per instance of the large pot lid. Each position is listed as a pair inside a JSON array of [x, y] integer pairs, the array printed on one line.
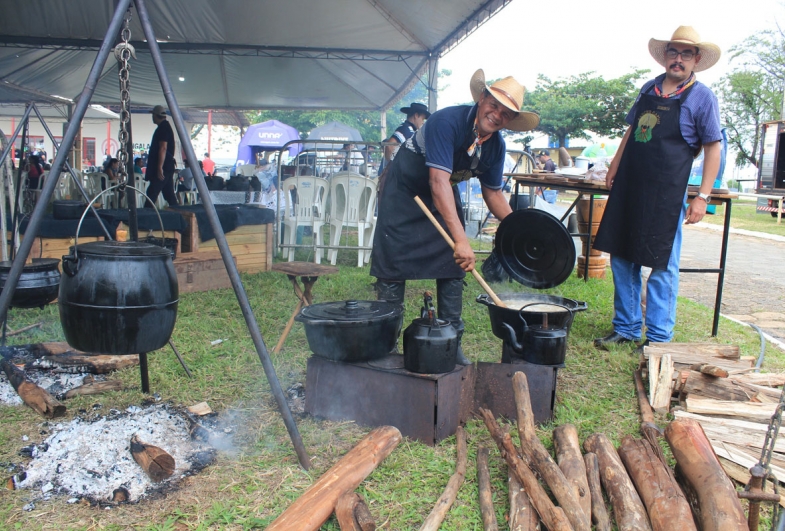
[[535, 248], [352, 310]]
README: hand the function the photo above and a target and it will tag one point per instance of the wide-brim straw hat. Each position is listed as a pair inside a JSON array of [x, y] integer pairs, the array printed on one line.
[[509, 93], [709, 52]]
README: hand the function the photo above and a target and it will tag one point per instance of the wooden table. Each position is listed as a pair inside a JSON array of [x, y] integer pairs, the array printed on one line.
[[718, 197], [309, 273]]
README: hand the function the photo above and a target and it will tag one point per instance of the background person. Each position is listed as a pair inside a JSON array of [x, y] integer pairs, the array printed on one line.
[[416, 114], [546, 164], [160, 161], [208, 165], [642, 223], [456, 143]]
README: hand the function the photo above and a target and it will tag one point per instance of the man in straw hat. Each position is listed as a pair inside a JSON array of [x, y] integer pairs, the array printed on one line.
[[455, 144], [673, 118]]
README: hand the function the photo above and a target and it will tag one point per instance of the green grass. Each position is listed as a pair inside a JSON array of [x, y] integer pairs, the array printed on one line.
[[744, 216], [249, 488]]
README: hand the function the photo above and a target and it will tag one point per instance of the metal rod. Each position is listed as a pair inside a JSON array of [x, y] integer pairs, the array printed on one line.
[[74, 177], [180, 359], [220, 238], [18, 192], [721, 278], [57, 166], [143, 372], [11, 141]]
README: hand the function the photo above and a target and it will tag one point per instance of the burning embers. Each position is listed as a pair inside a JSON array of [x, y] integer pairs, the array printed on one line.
[[96, 459]]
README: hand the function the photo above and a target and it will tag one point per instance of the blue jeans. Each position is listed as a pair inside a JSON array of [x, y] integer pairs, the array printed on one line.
[[661, 292]]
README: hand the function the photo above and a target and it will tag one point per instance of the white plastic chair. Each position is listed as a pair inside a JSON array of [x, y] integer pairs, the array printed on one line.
[[305, 201], [353, 201], [246, 169]]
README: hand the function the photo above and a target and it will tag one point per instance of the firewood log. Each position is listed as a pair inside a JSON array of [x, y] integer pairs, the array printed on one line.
[[60, 356], [665, 502], [156, 462], [702, 471], [553, 517], [542, 461], [95, 388], [599, 513], [570, 459], [486, 496], [445, 501], [314, 507], [352, 513], [32, 395], [523, 517], [628, 509]]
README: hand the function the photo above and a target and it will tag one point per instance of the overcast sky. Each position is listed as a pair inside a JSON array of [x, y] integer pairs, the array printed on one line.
[[609, 37]]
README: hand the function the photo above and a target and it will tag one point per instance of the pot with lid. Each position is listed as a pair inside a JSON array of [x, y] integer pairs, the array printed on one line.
[[430, 345], [352, 330], [542, 344]]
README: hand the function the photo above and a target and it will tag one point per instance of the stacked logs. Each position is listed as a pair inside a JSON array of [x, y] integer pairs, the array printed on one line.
[[644, 492]]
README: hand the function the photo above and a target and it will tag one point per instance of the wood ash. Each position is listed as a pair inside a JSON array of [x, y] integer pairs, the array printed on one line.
[[91, 458], [55, 383]]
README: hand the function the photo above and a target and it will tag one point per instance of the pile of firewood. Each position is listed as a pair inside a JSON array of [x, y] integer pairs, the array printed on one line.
[[715, 386], [644, 492]]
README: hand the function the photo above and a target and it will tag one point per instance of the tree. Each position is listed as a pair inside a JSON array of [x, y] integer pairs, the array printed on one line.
[[586, 102], [754, 94]]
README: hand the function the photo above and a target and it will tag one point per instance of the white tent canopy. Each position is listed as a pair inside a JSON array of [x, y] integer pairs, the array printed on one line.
[[238, 54]]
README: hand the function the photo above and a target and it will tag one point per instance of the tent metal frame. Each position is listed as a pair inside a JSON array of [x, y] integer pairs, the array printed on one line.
[[80, 107]]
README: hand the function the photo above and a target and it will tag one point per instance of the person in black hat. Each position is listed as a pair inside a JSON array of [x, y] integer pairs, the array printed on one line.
[[544, 157], [416, 114]]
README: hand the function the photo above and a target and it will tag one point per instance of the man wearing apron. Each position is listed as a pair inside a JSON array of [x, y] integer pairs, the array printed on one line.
[[674, 117], [455, 144]]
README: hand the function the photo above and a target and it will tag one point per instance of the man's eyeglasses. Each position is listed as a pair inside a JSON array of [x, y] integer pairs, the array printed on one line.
[[686, 55]]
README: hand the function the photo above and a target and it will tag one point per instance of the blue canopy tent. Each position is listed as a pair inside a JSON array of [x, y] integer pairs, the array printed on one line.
[[266, 136]]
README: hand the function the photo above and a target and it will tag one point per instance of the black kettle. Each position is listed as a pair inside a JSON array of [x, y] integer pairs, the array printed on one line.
[[430, 345], [540, 344]]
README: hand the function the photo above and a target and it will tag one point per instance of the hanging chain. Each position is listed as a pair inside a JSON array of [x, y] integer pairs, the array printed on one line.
[[766, 454], [123, 52]]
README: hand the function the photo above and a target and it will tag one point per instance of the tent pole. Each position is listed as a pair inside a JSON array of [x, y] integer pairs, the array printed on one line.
[[220, 238], [433, 83], [62, 154], [13, 138]]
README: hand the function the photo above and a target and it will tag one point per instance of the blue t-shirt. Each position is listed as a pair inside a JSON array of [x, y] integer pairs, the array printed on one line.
[[446, 136], [699, 120]]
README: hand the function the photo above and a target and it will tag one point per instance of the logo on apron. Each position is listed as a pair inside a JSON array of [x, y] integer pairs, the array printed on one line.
[[646, 123]]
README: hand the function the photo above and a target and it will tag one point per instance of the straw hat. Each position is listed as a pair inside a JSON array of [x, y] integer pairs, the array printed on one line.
[[509, 93], [709, 52]]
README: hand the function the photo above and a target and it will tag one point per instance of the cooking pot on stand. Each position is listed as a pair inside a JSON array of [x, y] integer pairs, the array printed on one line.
[[430, 345], [352, 330], [118, 297], [541, 344], [37, 285]]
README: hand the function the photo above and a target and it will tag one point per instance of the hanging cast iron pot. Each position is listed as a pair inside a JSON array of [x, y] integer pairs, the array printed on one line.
[[38, 284], [118, 297]]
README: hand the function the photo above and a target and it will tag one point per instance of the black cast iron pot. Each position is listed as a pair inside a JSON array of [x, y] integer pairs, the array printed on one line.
[[430, 346], [558, 314], [38, 284], [67, 209], [541, 345], [118, 297], [352, 330]]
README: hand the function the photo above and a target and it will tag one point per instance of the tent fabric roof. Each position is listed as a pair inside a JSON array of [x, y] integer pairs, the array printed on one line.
[[238, 54]]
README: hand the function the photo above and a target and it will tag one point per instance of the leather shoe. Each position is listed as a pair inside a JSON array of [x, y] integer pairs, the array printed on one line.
[[611, 339], [639, 350]]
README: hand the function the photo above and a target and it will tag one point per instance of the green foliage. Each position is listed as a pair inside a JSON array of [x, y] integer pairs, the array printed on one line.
[[367, 122], [586, 102], [752, 95]]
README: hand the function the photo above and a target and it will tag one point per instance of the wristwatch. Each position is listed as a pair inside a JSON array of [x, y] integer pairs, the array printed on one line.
[[705, 197]]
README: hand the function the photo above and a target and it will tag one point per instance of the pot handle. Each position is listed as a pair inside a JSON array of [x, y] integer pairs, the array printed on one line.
[[90, 204], [483, 299], [71, 264], [511, 338]]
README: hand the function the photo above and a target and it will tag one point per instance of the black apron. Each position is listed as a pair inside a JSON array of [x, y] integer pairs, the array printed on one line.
[[406, 245], [642, 215]]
